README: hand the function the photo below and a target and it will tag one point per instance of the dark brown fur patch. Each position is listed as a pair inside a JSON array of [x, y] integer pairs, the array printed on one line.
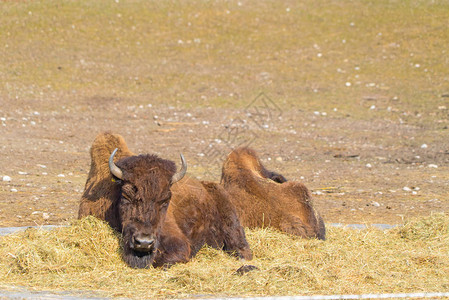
[[197, 213]]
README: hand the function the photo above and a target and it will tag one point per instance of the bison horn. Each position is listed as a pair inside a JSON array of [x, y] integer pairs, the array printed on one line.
[[178, 176], [113, 168]]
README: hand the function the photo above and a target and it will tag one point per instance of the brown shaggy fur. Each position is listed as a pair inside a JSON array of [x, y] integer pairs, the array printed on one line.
[[264, 198], [182, 217]]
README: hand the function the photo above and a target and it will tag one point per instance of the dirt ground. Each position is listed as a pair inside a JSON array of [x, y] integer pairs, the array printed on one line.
[[376, 171], [355, 98]]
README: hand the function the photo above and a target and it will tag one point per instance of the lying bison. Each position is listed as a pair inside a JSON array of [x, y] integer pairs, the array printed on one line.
[[164, 217], [265, 198]]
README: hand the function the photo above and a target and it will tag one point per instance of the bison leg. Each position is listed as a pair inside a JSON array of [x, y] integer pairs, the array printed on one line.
[[172, 250], [234, 239]]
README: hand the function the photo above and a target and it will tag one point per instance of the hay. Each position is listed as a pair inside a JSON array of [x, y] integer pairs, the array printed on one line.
[[434, 228], [86, 256]]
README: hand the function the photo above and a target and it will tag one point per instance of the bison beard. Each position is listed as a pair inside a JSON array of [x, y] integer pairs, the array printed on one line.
[[162, 222], [266, 198]]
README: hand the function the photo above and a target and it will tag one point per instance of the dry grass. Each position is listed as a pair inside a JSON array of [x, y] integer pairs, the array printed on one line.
[[86, 256], [221, 53]]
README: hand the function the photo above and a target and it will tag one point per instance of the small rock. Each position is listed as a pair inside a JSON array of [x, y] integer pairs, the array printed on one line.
[[407, 189], [433, 166], [424, 146], [45, 216], [369, 166], [61, 175], [6, 178], [42, 166], [279, 159], [376, 204], [14, 190], [23, 173]]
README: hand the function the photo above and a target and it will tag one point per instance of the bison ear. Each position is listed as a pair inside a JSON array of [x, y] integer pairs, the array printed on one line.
[[116, 180]]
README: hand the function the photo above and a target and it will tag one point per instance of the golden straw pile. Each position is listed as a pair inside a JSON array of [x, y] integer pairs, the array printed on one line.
[[86, 257]]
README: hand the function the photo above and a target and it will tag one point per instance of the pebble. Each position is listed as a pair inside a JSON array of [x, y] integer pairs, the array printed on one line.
[[279, 159], [432, 166], [61, 175], [424, 146], [6, 178], [46, 216], [376, 204], [407, 189], [23, 173], [14, 190], [369, 166]]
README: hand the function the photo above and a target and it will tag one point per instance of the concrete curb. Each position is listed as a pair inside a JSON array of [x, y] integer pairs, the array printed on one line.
[[9, 230]]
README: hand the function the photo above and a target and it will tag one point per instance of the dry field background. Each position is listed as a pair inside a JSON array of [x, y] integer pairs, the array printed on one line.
[[349, 97]]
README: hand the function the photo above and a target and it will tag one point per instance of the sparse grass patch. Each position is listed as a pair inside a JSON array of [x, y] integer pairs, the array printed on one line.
[[86, 256], [223, 53]]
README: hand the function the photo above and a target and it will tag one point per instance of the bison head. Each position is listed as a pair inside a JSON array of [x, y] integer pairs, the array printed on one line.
[[145, 182]]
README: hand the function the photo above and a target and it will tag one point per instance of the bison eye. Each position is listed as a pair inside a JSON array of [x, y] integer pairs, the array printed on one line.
[[164, 205]]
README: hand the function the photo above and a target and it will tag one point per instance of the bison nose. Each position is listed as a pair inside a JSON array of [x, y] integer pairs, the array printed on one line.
[[143, 243]]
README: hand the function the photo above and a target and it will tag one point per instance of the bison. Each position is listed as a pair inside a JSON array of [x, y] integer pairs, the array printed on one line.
[[266, 198], [164, 216]]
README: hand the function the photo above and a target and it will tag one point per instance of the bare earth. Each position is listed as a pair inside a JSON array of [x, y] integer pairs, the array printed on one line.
[[360, 171]]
